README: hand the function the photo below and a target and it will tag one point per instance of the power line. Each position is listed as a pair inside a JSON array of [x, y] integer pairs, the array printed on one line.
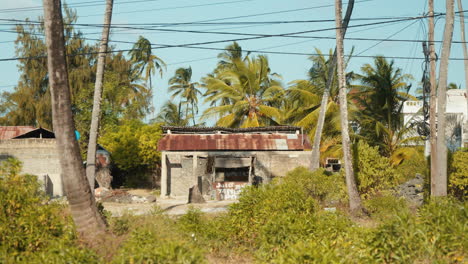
[[257, 35], [74, 5], [379, 42], [172, 8], [162, 46]]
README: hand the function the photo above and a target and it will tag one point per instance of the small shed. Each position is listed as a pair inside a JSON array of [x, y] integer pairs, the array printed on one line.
[[221, 161], [37, 149]]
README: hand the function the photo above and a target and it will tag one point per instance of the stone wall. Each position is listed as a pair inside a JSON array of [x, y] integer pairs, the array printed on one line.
[[267, 165], [39, 157]]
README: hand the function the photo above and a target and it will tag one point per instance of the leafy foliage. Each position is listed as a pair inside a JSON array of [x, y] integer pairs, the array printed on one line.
[[34, 231], [248, 93], [134, 149], [374, 172], [125, 94], [458, 176], [133, 144]]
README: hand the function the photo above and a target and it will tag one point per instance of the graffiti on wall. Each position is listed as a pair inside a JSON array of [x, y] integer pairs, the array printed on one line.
[[228, 190]]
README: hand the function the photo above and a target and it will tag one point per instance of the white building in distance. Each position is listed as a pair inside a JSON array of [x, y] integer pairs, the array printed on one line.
[[457, 117]]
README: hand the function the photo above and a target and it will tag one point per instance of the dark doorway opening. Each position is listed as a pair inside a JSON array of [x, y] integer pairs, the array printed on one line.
[[232, 174]]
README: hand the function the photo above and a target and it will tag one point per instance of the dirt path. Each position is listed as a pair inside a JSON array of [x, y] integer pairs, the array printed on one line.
[[170, 206]]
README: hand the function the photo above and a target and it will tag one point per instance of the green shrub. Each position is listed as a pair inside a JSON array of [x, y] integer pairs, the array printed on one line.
[[458, 174], [410, 167], [192, 221], [437, 234], [157, 242], [444, 221], [374, 172], [385, 206], [34, 230]]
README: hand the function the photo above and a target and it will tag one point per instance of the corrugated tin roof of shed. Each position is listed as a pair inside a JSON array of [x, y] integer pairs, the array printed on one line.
[[199, 130], [195, 142], [9, 132]]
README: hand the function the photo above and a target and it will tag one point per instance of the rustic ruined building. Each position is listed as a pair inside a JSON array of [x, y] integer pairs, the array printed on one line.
[[221, 161], [36, 148]]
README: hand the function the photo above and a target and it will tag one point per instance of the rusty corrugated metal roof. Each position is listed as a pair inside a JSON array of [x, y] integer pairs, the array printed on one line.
[[227, 130], [238, 141], [9, 132]]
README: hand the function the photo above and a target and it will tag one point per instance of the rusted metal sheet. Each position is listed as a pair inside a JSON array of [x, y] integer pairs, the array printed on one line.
[[241, 141], [9, 132]]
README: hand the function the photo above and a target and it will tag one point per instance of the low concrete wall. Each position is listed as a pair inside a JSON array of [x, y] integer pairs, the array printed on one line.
[[39, 157]]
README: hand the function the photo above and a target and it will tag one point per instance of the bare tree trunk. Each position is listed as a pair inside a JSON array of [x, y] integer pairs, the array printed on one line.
[[93, 133], [89, 222], [433, 97], [354, 198], [440, 188], [465, 50], [326, 94]]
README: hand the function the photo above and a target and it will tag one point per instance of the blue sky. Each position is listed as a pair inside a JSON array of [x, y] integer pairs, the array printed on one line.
[[291, 67]]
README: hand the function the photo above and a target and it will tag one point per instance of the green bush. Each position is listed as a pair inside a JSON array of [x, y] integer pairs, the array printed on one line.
[[385, 206], [437, 234], [374, 172], [33, 229], [155, 240], [408, 168], [458, 174]]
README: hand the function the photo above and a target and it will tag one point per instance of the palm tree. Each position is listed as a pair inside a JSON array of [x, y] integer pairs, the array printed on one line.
[[331, 73], [252, 90], [354, 198], [145, 60], [86, 216], [232, 53], [380, 97], [182, 85], [305, 105], [171, 114], [96, 114]]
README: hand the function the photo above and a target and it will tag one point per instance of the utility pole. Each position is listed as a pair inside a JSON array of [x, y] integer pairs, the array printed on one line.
[[93, 133], [440, 185], [315, 163], [89, 223], [354, 198], [433, 96]]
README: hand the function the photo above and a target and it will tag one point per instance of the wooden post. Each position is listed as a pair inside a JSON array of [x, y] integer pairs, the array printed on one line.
[[433, 97]]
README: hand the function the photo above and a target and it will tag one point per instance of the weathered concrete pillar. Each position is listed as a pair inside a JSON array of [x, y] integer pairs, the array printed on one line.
[[194, 169], [163, 175]]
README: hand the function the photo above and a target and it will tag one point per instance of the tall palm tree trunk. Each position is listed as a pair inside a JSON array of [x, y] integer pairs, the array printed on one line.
[[89, 222], [193, 113], [465, 50], [93, 133], [315, 162], [440, 187], [433, 97], [354, 199]]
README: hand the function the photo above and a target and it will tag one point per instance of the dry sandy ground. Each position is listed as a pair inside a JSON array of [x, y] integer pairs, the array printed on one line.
[[170, 206]]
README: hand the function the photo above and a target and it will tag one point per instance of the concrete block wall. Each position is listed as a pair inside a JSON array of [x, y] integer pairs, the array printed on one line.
[[267, 165], [39, 157]]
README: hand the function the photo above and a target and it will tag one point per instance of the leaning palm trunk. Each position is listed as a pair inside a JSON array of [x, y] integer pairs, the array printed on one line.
[[354, 199], [440, 184], [465, 50], [89, 222], [93, 133], [326, 94]]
